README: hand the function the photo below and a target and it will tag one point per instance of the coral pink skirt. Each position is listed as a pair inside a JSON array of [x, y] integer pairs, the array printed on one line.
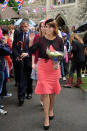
[[48, 78]]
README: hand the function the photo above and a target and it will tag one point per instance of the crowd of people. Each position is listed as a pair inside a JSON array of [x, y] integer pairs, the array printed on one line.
[[23, 52]]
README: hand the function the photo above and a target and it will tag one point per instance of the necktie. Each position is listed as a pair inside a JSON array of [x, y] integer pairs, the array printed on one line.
[[24, 41]]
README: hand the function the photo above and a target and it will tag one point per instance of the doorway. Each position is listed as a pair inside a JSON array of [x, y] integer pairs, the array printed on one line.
[[60, 21]]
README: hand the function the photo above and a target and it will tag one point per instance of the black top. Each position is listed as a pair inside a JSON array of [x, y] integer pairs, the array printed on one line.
[[85, 38], [42, 43], [78, 51]]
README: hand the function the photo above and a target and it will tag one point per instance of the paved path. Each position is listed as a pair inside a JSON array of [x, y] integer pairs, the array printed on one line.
[[70, 112]]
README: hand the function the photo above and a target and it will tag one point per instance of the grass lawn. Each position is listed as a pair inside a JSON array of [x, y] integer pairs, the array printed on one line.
[[84, 80], [84, 85]]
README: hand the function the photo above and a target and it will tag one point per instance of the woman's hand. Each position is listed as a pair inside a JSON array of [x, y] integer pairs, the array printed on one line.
[[31, 38], [33, 66], [19, 59], [85, 51], [23, 55]]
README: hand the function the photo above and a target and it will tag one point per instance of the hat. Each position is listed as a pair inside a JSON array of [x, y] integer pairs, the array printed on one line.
[[48, 21], [64, 34]]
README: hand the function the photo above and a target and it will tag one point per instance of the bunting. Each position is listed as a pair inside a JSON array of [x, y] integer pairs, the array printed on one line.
[[43, 9], [5, 4], [31, 1], [19, 2]]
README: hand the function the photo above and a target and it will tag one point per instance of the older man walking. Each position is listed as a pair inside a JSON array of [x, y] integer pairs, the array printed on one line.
[[24, 61]]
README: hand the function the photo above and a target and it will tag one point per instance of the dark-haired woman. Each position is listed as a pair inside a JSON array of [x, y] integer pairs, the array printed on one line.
[[48, 78]]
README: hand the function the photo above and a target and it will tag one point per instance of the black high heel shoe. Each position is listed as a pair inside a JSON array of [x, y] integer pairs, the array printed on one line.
[[51, 117], [46, 127]]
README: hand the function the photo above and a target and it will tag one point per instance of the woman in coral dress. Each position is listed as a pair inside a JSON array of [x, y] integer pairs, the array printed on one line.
[[48, 78]]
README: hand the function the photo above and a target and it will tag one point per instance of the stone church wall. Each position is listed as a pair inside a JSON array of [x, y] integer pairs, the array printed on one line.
[[73, 13], [31, 15]]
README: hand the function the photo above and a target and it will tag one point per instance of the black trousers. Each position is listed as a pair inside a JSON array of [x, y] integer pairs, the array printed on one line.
[[24, 80], [84, 65], [15, 65], [75, 66]]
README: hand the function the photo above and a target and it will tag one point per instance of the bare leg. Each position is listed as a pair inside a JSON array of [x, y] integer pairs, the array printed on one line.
[[46, 102], [41, 100], [52, 100], [34, 83]]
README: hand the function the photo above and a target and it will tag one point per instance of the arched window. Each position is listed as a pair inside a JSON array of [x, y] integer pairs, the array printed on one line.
[[59, 2], [60, 21], [55, 2]]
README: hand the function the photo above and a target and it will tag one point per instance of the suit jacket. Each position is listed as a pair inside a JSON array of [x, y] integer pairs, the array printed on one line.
[[16, 48]]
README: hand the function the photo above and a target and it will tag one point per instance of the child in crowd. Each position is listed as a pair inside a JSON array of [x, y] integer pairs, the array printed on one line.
[[11, 33], [4, 50], [64, 62], [8, 65]]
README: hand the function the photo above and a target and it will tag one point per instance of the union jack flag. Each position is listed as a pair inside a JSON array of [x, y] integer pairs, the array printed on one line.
[[5, 4], [19, 2]]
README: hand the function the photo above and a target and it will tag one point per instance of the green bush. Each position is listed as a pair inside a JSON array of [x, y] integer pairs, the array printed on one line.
[[6, 22], [11, 3]]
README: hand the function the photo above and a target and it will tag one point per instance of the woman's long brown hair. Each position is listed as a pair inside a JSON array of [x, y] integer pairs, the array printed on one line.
[[74, 36]]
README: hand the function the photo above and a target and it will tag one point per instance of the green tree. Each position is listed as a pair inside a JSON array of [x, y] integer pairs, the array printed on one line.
[[13, 3]]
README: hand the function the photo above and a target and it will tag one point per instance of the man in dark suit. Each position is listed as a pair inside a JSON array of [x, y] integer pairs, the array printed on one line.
[[24, 61]]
